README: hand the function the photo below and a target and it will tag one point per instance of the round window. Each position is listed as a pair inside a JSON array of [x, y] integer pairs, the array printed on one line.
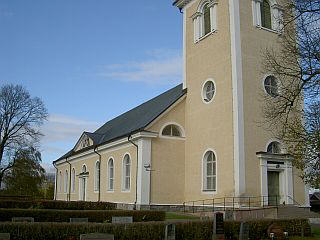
[[208, 91], [271, 86]]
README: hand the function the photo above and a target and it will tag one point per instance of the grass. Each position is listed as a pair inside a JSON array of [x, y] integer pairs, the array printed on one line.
[[179, 216]]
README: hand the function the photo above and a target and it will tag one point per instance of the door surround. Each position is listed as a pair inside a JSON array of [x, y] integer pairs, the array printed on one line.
[[281, 163]]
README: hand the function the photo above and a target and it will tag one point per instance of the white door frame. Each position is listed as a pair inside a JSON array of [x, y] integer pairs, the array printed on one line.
[[281, 163]]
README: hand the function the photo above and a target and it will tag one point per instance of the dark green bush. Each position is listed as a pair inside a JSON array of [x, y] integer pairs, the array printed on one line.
[[194, 230], [51, 204], [258, 229], [135, 231], [51, 215]]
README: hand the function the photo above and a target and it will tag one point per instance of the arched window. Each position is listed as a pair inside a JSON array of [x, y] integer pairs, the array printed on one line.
[[73, 179], [66, 181], [97, 177], [274, 147], [83, 184], [60, 181], [172, 131], [126, 172], [205, 19], [266, 20], [209, 171], [271, 86], [110, 175]]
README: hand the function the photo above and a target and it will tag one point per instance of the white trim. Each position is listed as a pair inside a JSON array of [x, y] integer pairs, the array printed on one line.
[[73, 180], [282, 146], [181, 129], [111, 145], [202, 90], [203, 191], [238, 118], [144, 174], [184, 49], [81, 180], [60, 182], [123, 189], [66, 181], [306, 196]]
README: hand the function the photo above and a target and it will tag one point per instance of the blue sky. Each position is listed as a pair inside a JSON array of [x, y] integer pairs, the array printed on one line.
[[89, 60]]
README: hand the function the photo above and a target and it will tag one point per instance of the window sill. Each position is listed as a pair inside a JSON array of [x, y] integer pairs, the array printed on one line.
[[268, 30], [205, 36], [173, 138], [110, 191], [126, 191], [209, 191]]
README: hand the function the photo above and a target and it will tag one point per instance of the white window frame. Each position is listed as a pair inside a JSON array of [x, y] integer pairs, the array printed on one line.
[[109, 189], [198, 19], [204, 173], [73, 180], [83, 190], [179, 126], [66, 180], [124, 177], [203, 91], [276, 15], [96, 176]]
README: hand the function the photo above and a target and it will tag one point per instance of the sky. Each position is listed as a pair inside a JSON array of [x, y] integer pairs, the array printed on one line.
[[88, 60]]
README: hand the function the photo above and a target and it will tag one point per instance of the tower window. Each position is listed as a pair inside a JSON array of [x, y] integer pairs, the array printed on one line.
[[266, 15], [271, 86], [208, 91], [205, 19]]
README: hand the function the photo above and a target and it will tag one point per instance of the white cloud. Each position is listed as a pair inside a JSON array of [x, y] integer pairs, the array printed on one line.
[[160, 67], [65, 128]]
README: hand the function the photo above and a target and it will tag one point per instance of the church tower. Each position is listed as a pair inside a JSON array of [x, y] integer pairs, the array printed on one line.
[[226, 151]]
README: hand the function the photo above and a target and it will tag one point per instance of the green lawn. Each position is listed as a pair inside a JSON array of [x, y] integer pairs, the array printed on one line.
[[179, 216]]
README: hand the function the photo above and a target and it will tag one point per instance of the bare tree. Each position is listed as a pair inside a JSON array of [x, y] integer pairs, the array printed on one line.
[[292, 113], [20, 119]]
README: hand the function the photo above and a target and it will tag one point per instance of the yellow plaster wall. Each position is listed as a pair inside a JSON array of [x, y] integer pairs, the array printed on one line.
[[209, 126], [167, 179]]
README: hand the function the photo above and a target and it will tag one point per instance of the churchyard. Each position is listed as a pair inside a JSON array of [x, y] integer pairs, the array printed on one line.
[[52, 220]]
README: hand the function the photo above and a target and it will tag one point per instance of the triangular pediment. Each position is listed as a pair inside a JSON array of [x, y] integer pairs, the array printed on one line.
[[83, 142]]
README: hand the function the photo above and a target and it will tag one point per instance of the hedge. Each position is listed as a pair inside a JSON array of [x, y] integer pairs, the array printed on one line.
[[51, 215], [192, 230], [51, 204]]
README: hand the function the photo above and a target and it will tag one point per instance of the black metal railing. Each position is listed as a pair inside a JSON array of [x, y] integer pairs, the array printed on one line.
[[237, 203]]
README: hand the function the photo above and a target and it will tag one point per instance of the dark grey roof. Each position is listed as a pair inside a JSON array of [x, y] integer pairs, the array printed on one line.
[[134, 120]]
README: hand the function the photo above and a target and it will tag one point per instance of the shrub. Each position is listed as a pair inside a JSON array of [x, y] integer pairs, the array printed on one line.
[[51, 215], [258, 229], [135, 231], [194, 230], [51, 204]]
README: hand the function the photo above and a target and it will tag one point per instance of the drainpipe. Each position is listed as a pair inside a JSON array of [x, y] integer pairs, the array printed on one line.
[[129, 140], [69, 191], [99, 172], [56, 182]]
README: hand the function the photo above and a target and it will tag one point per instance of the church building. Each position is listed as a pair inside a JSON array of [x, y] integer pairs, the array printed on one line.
[[201, 139]]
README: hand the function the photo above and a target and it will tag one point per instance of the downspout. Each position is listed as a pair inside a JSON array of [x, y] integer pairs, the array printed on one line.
[[99, 172], [56, 182], [69, 192], [129, 140]]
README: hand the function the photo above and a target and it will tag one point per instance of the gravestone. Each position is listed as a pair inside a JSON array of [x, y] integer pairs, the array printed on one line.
[[79, 220], [4, 236], [122, 219], [229, 215], [277, 230], [170, 232], [218, 226], [244, 231], [96, 236], [22, 219]]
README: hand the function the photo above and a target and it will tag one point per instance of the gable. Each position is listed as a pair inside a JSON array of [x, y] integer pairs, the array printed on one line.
[[83, 142]]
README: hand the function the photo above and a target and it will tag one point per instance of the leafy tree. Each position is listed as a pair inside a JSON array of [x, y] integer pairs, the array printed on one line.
[[27, 176], [293, 115], [20, 119]]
